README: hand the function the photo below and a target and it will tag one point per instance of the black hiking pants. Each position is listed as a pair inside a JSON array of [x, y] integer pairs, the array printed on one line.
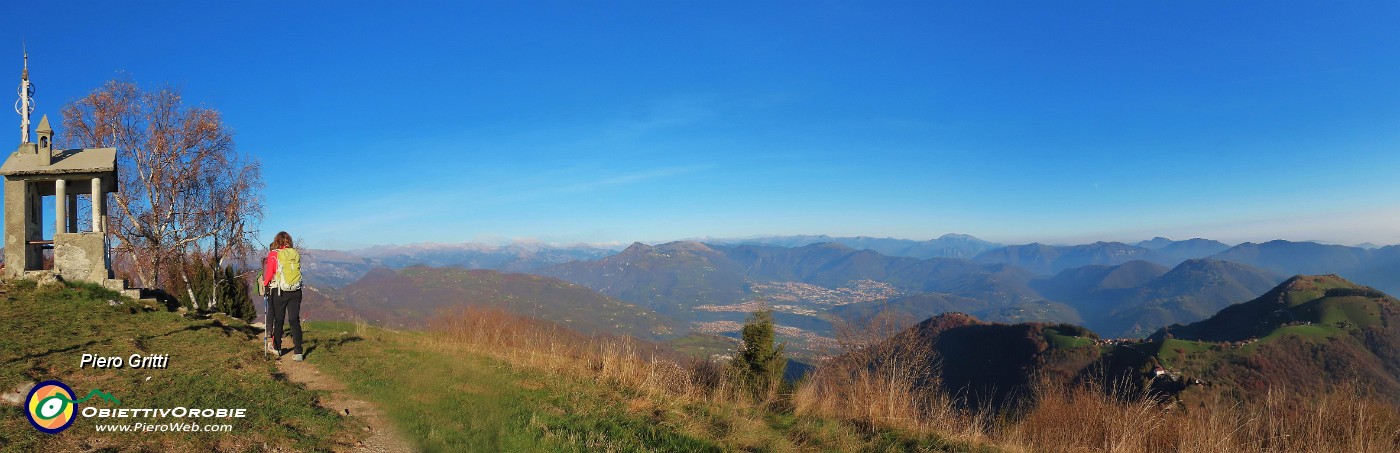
[[286, 305]]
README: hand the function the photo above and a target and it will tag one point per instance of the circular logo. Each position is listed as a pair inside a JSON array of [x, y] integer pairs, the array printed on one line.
[[51, 407]]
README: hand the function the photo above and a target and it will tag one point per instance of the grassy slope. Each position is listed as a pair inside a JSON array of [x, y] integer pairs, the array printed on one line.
[[453, 402], [1297, 336], [703, 345], [1059, 339], [450, 398], [44, 332]]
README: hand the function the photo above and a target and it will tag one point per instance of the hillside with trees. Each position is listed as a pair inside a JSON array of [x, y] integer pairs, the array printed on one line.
[[1307, 335]]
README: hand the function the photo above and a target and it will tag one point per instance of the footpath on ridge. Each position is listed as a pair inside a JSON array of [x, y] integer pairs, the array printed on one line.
[[382, 436]]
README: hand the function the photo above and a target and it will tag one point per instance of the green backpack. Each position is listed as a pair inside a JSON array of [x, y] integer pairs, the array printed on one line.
[[288, 277]]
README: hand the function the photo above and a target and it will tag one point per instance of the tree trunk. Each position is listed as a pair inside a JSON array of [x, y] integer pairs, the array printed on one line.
[[189, 289]]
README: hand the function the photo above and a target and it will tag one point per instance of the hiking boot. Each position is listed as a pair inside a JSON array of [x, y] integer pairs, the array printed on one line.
[[270, 350], [297, 357]]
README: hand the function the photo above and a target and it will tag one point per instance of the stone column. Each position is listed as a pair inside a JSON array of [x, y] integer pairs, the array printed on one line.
[[18, 231], [60, 204], [97, 197]]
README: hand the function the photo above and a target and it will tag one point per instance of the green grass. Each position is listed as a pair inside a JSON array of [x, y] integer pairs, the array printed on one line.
[[45, 331], [1352, 311], [1313, 287], [1059, 340], [703, 345], [449, 398], [1179, 354], [447, 401], [1313, 332]]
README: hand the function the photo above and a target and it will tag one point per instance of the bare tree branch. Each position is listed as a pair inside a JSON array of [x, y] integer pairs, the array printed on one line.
[[185, 188]]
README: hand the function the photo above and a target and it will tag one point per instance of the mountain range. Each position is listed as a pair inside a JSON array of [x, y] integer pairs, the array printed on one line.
[[946, 246], [1137, 297], [703, 282], [335, 268], [1133, 298], [1116, 289], [413, 297], [1051, 259]]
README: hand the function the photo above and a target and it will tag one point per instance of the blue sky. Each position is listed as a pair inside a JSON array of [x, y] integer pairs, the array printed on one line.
[[400, 122]]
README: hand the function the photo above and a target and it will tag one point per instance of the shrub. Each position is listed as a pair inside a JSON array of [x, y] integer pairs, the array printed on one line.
[[758, 367]]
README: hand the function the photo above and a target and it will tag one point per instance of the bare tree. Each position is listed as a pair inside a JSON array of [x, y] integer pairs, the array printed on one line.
[[185, 188]]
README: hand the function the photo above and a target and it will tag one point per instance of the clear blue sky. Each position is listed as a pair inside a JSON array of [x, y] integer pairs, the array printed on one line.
[[399, 122]]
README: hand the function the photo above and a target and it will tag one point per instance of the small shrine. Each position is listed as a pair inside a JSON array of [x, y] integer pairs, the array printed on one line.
[[36, 170]]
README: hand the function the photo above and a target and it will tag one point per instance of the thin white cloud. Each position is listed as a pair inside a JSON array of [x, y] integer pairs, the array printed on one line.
[[631, 178]]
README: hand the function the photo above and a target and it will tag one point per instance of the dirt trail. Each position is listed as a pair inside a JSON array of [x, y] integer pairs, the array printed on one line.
[[382, 437]]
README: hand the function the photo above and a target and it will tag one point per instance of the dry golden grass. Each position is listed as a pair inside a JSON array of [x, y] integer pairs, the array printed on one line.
[[1086, 418], [543, 345], [880, 387], [671, 384], [894, 390]]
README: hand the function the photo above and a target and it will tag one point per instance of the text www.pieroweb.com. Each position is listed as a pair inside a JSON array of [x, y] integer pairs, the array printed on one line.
[[163, 427]]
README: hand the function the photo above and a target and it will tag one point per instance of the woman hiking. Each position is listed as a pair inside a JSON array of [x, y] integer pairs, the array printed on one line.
[[282, 279]]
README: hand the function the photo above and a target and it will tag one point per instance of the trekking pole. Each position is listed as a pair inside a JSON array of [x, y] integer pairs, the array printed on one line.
[[267, 326], [267, 313]]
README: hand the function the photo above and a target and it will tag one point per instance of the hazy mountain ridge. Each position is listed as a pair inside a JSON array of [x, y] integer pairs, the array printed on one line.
[[711, 285], [1097, 278], [335, 268], [1131, 298], [830, 265], [669, 278], [1306, 334], [514, 257], [1135, 298], [1191, 291], [1051, 259], [1378, 267], [1175, 252], [414, 296], [950, 245]]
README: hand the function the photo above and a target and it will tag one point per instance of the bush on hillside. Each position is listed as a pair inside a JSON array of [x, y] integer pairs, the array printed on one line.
[[758, 367], [215, 288]]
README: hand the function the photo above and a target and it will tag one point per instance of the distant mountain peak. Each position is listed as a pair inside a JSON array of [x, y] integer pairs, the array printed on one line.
[[951, 245], [960, 237], [637, 248], [830, 245], [948, 320], [695, 247], [1155, 243]]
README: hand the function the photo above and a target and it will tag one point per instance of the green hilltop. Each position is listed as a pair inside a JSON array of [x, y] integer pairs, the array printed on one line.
[[214, 362], [1323, 305]]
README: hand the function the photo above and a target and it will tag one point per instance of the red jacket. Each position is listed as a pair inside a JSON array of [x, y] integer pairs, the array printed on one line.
[[269, 268]]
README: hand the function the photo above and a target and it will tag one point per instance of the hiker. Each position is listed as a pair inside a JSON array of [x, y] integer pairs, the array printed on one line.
[[282, 279]]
